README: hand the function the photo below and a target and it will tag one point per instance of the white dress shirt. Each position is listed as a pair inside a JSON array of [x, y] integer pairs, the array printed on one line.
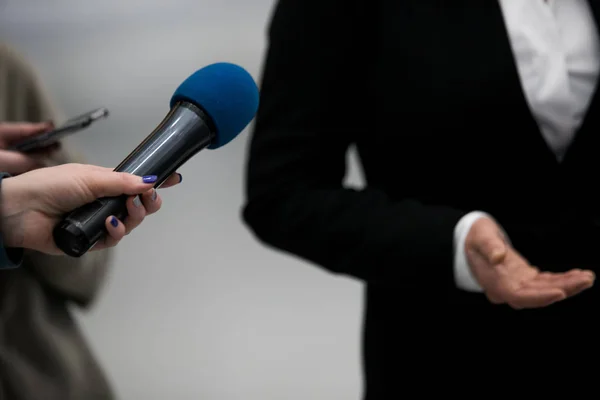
[[557, 51]]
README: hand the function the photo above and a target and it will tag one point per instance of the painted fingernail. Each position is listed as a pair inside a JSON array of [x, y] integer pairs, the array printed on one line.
[[154, 195], [114, 222], [136, 201], [149, 178], [180, 178]]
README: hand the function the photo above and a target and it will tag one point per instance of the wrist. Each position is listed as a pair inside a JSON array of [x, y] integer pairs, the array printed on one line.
[[13, 204], [463, 275]]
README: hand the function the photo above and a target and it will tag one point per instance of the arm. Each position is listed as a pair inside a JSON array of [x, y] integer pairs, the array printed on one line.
[[26, 99], [296, 201], [77, 279]]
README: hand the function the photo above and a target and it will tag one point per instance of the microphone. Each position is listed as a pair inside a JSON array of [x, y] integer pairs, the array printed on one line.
[[208, 110]]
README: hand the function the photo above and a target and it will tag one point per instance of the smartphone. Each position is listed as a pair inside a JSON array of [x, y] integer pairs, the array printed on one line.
[[68, 128]]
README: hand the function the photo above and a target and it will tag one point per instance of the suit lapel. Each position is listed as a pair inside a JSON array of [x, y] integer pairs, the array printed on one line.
[[506, 64], [585, 137]]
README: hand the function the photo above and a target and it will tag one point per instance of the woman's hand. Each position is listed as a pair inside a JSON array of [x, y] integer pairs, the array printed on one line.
[[14, 162], [34, 202]]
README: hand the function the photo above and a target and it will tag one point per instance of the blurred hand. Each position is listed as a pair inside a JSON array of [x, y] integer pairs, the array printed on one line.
[[507, 278], [34, 202], [14, 162]]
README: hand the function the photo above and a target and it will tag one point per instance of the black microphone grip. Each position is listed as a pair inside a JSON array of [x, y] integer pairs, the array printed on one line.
[[183, 132]]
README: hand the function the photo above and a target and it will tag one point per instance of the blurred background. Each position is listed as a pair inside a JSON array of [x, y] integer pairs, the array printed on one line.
[[194, 308]]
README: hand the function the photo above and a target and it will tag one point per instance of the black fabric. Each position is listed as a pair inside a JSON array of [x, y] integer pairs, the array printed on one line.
[[429, 92]]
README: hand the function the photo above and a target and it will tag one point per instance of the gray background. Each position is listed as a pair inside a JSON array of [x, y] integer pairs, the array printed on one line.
[[195, 308]]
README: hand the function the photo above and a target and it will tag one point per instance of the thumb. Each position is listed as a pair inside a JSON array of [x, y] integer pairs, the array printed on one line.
[[488, 241], [17, 163], [107, 183], [492, 249], [13, 131]]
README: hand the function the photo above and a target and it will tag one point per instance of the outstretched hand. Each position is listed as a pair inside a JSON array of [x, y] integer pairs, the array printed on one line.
[[508, 278]]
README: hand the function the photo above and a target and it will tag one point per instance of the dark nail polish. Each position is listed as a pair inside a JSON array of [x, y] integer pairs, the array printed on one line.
[[149, 178], [114, 222], [180, 178], [154, 195]]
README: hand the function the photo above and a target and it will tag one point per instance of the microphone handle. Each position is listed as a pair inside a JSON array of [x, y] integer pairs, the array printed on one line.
[[183, 133]]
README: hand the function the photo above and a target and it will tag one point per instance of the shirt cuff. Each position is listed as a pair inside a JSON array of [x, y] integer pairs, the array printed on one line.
[[463, 277]]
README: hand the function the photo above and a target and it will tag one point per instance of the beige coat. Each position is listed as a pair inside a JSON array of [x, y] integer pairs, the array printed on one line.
[[43, 354]]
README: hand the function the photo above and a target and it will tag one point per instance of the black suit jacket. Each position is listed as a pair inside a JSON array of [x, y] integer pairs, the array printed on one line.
[[429, 92]]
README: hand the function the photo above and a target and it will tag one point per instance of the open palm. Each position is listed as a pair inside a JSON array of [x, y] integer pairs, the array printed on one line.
[[508, 278]]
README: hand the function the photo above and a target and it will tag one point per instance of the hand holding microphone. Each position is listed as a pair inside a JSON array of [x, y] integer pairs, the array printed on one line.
[[33, 202], [208, 110]]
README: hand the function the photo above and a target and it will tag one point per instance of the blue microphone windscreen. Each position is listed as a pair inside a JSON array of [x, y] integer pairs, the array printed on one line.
[[227, 93]]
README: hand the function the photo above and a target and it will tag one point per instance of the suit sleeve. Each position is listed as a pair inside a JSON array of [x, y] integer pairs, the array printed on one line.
[[315, 103]]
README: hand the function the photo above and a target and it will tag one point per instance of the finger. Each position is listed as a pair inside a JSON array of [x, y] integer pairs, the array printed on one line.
[[174, 179], [104, 182], [551, 277], [534, 298], [152, 201], [15, 131], [486, 239], [116, 231], [136, 213], [572, 283], [492, 249], [16, 163]]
